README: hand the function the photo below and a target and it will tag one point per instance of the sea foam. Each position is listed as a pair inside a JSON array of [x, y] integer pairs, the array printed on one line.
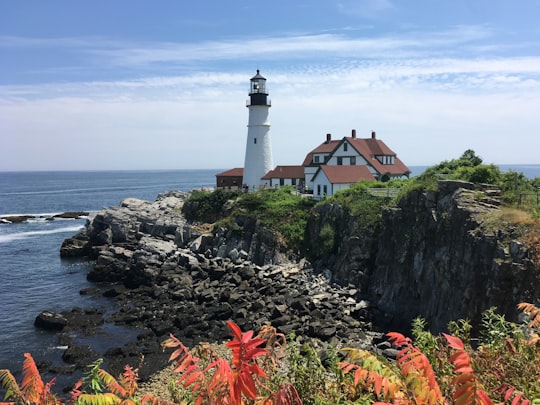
[[29, 234]]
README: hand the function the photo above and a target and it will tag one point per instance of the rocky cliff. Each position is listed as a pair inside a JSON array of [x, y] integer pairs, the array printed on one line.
[[433, 255], [437, 254], [170, 276]]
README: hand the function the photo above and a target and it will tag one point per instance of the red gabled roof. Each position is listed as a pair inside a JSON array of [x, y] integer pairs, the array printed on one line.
[[345, 174], [285, 172], [369, 148], [325, 147], [236, 172]]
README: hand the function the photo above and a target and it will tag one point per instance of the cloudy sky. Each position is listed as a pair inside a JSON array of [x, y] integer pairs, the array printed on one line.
[[134, 84]]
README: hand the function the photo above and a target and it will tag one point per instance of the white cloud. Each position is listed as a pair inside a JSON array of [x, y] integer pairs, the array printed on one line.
[[426, 104]]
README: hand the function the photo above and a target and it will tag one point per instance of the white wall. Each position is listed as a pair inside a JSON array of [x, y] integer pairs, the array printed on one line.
[[321, 181], [258, 158]]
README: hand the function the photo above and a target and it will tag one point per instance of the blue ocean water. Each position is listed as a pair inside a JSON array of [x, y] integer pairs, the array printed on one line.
[[33, 276]]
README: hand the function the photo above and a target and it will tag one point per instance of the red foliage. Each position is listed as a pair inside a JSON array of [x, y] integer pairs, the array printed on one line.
[[221, 382], [468, 389], [417, 371]]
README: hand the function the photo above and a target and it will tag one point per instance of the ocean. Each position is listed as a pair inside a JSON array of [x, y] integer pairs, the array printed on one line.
[[34, 277]]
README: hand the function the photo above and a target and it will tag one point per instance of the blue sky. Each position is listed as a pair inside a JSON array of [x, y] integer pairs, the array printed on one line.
[[162, 85]]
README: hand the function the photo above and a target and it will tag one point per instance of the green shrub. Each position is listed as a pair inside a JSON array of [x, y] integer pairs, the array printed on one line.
[[327, 236], [207, 206]]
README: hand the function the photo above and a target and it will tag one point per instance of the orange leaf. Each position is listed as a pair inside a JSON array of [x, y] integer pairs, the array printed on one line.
[[454, 342], [509, 393], [517, 399]]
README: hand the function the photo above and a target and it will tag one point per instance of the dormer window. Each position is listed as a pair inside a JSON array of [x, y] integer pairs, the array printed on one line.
[[386, 159]]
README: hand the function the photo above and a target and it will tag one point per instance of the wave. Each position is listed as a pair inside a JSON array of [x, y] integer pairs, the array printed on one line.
[[92, 189], [43, 216], [24, 235]]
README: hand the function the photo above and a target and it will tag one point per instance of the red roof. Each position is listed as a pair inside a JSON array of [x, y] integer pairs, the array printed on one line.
[[236, 172], [285, 172], [369, 148], [345, 174], [325, 147]]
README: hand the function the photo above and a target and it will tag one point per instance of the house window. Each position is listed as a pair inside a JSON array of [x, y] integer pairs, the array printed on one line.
[[339, 161], [254, 140], [281, 182], [325, 190], [353, 160], [318, 189], [345, 147], [222, 181], [316, 159], [293, 182]]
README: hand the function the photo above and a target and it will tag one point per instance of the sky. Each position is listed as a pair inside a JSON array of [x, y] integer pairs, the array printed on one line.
[[133, 84]]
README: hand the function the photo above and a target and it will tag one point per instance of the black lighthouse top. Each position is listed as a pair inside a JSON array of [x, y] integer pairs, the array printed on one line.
[[257, 93]]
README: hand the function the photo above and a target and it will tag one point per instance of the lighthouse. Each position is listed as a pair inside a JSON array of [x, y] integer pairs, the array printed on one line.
[[258, 159]]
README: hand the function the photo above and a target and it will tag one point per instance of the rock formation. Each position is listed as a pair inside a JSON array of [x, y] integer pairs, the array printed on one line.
[[432, 256], [170, 276]]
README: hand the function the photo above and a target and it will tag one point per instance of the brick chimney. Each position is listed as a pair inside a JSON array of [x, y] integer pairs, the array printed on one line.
[[328, 137], [373, 134], [353, 133]]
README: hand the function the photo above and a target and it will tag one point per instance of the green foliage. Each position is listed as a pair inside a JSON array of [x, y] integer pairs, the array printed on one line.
[[261, 370], [327, 236], [462, 329], [207, 206], [280, 210], [366, 208], [515, 187], [315, 383], [91, 382], [495, 329], [424, 339]]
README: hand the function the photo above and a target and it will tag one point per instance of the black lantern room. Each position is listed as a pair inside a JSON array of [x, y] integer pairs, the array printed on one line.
[[257, 92]]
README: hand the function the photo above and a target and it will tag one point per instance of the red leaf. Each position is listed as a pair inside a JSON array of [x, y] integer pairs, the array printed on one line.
[[509, 393], [235, 330], [247, 385], [484, 397], [454, 342], [517, 399]]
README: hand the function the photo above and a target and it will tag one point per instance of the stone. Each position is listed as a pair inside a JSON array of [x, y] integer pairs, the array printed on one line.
[[79, 354], [50, 321]]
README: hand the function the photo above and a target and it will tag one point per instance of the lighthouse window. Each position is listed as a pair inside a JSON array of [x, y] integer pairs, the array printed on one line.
[[254, 140]]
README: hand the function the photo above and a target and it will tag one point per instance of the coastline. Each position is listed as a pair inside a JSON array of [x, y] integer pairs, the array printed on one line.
[[163, 278]]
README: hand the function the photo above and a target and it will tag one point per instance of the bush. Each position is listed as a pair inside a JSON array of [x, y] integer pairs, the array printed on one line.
[[207, 206], [261, 369]]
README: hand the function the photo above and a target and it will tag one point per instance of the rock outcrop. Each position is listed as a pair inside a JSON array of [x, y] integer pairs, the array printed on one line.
[[432, 256], [170, 276]]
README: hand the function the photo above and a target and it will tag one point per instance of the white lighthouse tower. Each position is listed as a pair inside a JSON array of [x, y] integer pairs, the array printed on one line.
[[258, 160]]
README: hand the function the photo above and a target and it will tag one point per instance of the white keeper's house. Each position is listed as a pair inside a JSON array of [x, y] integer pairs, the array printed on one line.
[[332, 166]]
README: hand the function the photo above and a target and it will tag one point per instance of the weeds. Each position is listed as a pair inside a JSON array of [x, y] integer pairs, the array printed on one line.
[[263, 370]]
